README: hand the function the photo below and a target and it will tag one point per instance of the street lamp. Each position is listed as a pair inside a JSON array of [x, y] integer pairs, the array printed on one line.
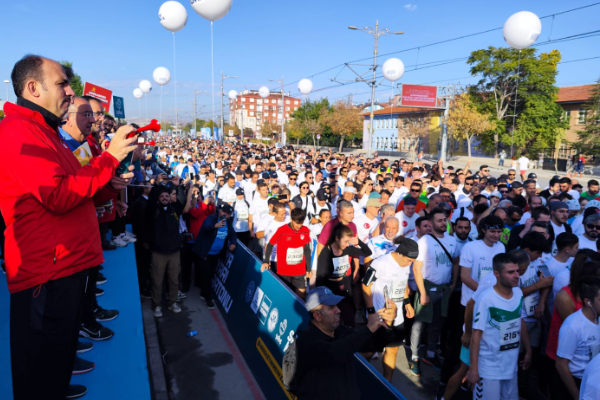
[[223, 94], [282, 108], [7, 82], [376, 34]]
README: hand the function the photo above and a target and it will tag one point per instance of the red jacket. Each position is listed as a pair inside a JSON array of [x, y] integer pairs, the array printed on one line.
[[198, 215], [47, 199]]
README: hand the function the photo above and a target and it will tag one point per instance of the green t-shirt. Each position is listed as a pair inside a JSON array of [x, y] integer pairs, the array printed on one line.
[[589, 197]]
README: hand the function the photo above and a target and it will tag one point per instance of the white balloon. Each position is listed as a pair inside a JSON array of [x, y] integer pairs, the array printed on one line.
[[146, 86], [522, 29], [264, 92], [173, 16], [393, 69], [212, 10], [161, 76], [137, 93], [305, 86], [232, 94]]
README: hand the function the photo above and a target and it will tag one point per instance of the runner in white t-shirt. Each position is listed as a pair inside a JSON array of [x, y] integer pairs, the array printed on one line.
[[498, 332], [567, 245], [476, 257], [523, 165], [391, 273], [590, 384], [383, 244], [407, 217]]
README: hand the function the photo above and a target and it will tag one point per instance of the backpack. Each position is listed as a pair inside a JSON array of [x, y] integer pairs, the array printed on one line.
[[288, 368]]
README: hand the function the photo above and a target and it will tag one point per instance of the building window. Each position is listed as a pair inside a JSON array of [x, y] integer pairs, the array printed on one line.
[[252, 106], [582, 117], [403, 144], [252, 113], [287, 109], [243, 100], [296, 102], [465, 145], [274, 115], [287, 102], [251, 99], [258, 101], [563, 151], [567, 116]]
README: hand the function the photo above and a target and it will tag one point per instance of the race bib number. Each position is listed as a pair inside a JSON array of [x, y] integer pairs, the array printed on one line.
[[242, 215], [340, 266], [294, 255], [263, 212], [397, 291], [530, 302], [483, 272], [509, 334]]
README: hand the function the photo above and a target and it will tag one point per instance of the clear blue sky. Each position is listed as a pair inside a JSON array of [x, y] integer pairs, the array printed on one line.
[[116, 44]]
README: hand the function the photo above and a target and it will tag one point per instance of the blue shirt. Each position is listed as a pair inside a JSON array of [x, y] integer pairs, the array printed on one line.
[[72, 143], [219, 242]]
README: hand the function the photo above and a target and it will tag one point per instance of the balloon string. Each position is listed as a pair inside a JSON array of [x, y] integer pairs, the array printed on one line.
[[146, 107], [161, 118], [175, 78], [212, 63]]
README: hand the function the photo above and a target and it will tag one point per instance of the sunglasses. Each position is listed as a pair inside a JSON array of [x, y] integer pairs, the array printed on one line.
[[304, 187], [292, 179], [593, 227], [504, 191], [468, 184], [511, 174], [486, 170], [415, 190]]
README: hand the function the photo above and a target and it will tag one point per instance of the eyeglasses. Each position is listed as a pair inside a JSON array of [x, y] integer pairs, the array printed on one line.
[[486, 170], [304, 187], [593, 227], [87, 114], [98, 113]]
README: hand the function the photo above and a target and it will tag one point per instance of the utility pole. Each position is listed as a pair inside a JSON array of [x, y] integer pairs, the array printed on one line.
[[176, 117], [283, 138], [223, 94], [195, 104]]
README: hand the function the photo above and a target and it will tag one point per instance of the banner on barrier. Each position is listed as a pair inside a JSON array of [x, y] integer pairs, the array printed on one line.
[[263, 316]]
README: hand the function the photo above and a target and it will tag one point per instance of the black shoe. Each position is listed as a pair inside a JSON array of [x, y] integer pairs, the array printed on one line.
[[100, 280], [105, 315], [82, 366], [96, 332], [99, 292], [84, 347], [433, 362], [146, 293], [108, 246], [210, 304], [76, 391]]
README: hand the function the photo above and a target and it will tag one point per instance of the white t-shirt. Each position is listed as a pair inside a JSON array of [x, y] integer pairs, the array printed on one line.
[[479, 257], [590, 384], [557, 268], [560, 281], [437, 268], [365, 226], [249, 189], [585, 243], [500, 321], [407, 224], [240, 216], [270, 231], [578, 342], [315, 230], [523, 163], [208, 187], [557, 231], [465, 213], [227, 194], [392, 278], [525, 217], [259, 208], [577, 225], [530, 302], [380, 246]]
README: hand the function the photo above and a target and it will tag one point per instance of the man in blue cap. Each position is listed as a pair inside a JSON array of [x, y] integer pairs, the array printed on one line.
[[324, 351]]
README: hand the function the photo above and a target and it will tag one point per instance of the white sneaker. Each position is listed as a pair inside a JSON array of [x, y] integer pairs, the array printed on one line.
[[126, 238], [117, 241], [175, 308], [130, 235], [157, 312]]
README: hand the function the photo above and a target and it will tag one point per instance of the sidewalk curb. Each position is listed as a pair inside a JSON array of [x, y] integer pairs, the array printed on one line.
[[156, 371]]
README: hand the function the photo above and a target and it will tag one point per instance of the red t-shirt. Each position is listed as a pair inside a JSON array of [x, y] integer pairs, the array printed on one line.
[[290, 250], [420, 206], [329, 227]]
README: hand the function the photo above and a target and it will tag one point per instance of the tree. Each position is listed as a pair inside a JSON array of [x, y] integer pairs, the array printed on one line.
[[269, 130], [589, 139], [74, 79], [307, 117], [507, 73], [466, 122], [343, 119], [414, 126]]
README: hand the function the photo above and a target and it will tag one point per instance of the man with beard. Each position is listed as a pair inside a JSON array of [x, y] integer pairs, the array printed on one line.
[[592, 231], [559, 213]]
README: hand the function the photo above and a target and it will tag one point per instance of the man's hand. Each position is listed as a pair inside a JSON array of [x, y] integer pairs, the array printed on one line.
[[424, 299], [526, 362], [389, 314], [354, 241], [264, 267], [122, 181], [232, 247], [539, 310], [465, 339], [122, 208], [220, 224], [120, 146], [410, 311], [545, 281], [473, 378], [494, 202], [375, 323]]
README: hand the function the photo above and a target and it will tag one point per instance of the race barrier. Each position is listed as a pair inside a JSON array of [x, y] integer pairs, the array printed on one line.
[[263, 316]]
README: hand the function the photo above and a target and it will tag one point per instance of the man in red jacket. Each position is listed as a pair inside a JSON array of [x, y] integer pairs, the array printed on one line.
[[48, 201]]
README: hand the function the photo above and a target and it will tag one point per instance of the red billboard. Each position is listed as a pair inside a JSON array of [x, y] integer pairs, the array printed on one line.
[[419, 96], [97, 92]]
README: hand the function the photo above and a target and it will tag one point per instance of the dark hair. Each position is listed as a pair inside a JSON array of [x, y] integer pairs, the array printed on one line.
[[582, 265], [531, 198], [592, 182], [554, 181], [420, 220], [501, 259], [538, 211], [323, 210], [589, 287], [536, 241], [565, 180], [28, 67], [514, 209], [566, 239], [520, 256], [298, 215], [479, 197], [436, 210], [278, 206], [339, 231], [463, 219]]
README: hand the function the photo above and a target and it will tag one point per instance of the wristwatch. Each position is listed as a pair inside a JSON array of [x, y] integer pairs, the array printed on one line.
[[371, 310]]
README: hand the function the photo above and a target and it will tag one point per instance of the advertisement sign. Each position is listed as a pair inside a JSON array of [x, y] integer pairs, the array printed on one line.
[[419, 96], [119, 107], [99, 93], [263, 317]]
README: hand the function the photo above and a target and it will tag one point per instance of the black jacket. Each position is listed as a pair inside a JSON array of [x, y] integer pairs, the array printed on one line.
[[163, 222], [324, 366], [139, 223], [208, 233]]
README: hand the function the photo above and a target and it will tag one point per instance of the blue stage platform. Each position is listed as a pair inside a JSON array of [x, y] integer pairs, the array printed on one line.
[[121, 370]]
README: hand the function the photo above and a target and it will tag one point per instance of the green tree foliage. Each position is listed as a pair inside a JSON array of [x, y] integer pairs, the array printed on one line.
[[506, 73], [75, 80], [589, 138], [306, 123]]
